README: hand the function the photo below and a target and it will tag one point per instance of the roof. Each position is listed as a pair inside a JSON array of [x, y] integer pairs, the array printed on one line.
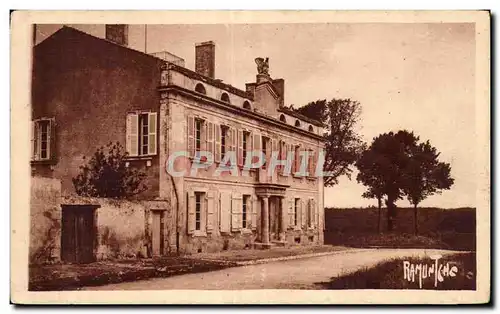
[[297, 115]]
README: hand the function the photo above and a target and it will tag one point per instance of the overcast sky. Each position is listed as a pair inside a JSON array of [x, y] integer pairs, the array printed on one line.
[[418, 77]]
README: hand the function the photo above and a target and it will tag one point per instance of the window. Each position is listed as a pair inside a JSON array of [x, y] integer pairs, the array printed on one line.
[[141, 134], [245, 141], [282, 118], [42, 139], [225, 98], [311, 129], [297, 123], [265, 149], [198, 126], [245, 211], [296, 210], [198, 209], [200, 89], [246, 105], [310, 212], [223, 140], [296, 164]]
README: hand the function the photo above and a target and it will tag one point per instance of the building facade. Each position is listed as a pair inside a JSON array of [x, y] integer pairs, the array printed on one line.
[[90, 91]]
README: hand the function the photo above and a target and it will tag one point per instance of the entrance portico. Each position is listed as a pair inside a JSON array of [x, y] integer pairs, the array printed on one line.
[[273, 214]]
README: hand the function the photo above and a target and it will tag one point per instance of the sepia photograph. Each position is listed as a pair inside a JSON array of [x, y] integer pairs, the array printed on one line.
[[293, 157]]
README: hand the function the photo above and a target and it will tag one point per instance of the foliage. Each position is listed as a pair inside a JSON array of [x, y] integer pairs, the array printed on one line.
[[107, 175], [396, 165], [343, 144]]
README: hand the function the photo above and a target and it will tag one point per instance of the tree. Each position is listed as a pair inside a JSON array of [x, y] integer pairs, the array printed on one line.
[[381, 167], [424, 176], [107, 175], [343, 144], [375, 192]]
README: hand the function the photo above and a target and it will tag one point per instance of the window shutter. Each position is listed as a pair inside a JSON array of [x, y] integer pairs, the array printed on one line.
[[34, 140], [234, 140], [190, 136], [236, 212], [291, 213], [240, 148], [132, 144], [210, 140], [313, 212], [255, 209], [52, 139], [210, 210], [152, 133], [256, 145], [191, 210], [303, 213], [225, 212]]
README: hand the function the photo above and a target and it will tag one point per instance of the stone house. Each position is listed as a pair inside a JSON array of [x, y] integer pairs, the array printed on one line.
[[89, 91]]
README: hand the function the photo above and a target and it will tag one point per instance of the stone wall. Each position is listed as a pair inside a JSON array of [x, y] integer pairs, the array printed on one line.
[[45, 220]]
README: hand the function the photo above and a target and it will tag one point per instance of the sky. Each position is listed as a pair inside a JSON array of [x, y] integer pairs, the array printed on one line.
[[418, 77]]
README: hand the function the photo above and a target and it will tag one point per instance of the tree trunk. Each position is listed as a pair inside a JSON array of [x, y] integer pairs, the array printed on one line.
[[379, 224], [415, 219], [391, 210]]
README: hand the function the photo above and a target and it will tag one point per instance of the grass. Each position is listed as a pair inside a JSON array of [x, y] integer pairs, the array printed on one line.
[[389, 275], [438, 228]]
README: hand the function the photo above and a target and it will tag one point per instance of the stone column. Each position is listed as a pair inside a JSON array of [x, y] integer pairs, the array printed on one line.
[[265, 220], [283, 216]]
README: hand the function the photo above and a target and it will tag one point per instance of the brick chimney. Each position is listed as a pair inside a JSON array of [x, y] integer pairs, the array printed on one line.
[[205, 59], [117, 33]]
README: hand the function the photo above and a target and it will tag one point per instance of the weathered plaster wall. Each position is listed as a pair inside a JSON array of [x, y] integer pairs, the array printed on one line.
[[124, 227], [45, 220]]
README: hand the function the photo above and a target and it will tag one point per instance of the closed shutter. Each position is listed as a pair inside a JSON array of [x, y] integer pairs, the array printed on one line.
[[240, 148], [210, 139], [191, 212], [236, 212], [204, 137], [314, 212], [190, 136], [132, 144], [291, 212], [234, 140], [210, 211], [303, 214], [256, 146], [217, 142], [225, 212], [152, 133], [255, 210]]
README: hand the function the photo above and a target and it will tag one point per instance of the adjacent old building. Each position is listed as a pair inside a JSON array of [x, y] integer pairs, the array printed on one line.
[[90, 91]]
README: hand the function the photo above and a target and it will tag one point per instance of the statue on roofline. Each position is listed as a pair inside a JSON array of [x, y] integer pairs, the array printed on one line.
[[262, 65]]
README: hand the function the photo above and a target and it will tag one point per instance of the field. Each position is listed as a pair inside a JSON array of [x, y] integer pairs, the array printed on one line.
[[438, 228]]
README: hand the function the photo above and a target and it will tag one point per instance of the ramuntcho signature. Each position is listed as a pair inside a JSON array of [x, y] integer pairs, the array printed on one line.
[[437, 271]]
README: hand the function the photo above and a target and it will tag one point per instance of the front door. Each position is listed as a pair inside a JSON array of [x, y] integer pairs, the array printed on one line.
[[274, 218], [78, 233]]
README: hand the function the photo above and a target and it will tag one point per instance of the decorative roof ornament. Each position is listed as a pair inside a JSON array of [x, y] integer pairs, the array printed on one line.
[[262, 66]]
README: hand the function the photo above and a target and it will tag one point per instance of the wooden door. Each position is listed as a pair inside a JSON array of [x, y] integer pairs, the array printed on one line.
[[78, 234], [157, 233]]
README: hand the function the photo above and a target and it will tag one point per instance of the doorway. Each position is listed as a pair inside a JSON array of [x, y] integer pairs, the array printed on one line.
[[157, 236], [78, 233], [274, 218]]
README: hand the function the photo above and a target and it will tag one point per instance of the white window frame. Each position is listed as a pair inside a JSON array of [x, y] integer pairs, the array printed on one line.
[[36, 151]]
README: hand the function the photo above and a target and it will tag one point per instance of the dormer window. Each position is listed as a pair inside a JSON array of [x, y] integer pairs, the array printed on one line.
[[200, 89], [311, 129], [225, 98], [246, 105], [283, 118], [297, 123]]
